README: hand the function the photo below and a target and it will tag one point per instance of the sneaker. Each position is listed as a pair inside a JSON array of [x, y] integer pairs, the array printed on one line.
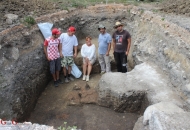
[[84, 77], [55, 83], [87, 78], [60, 81], [70, 78], [66, 80], [102, 72]]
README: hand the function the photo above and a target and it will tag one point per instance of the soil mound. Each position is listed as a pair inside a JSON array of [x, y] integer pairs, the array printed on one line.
[[176, 6], [24, 8]]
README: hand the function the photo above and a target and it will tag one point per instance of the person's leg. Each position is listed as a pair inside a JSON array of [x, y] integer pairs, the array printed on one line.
[[57, 67], [107, 61], [89, 68], [54, 77], [53, 72], [70, 63], [64, 64], [65, 72], [102, 62], [89, 71], [118, 61], [84, 67], [57, 75], [90, 63], [123, 58], [69, 70]]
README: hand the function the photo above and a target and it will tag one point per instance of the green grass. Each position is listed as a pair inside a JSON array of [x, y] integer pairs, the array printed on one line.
[[65, 127], [28, 21], [66, 4]]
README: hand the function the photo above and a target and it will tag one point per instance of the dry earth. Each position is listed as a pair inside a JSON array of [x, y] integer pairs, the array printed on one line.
[[36, 8], [23, 8]]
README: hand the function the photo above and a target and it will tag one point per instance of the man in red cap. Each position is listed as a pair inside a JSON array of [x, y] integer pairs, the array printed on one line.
[[52, 49], [68, 42]]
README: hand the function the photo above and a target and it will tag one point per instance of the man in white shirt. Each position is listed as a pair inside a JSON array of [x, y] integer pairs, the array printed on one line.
[[68, 42]]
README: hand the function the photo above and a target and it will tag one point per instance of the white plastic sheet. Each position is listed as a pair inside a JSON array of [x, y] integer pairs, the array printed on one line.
[[75, 71], [45, 28]]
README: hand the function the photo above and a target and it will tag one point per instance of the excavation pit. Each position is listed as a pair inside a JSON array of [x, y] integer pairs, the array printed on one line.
[[159, 66]]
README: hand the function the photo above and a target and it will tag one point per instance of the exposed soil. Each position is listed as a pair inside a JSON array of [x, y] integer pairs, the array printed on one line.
[[176, 7], [23, 8], [53, 109], [76, 104]]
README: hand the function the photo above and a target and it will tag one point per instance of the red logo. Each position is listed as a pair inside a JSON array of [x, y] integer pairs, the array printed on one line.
[[13, 122], [2, 122]]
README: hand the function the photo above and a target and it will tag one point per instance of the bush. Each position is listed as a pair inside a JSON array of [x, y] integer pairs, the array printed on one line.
[[67, 127], [29, 20]]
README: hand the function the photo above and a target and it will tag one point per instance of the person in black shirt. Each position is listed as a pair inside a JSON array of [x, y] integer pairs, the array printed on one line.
[[121, 45]]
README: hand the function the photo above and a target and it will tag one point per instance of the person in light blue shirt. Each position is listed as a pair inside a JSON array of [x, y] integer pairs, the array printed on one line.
[[104, 46]]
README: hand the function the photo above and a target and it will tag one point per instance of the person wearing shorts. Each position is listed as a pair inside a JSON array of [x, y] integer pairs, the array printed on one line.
[[52, 51], [88, 52], [68, 42]]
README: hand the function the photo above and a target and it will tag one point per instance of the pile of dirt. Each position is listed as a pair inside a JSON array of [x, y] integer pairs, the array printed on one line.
[[36, 8], [24, 8], [27, 7], [180, 7]]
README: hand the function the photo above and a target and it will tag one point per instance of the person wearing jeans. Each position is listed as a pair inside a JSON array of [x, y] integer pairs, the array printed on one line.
[[104, 46], [121, 46]]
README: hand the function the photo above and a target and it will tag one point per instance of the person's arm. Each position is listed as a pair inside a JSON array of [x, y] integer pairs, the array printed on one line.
[[60, 50], [113, 44], [129, 45], [83, 51], [109, 45], [61, 37], [75, 49], [45, 49], [93, 51], [109, 48]]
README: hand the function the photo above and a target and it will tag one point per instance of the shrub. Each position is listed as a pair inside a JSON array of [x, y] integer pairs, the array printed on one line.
[[29, 20]]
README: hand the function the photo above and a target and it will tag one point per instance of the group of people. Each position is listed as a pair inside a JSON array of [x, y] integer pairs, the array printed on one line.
[[61, 49]]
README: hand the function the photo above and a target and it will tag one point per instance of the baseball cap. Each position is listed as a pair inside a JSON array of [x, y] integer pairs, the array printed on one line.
[[55, 31], [101, 26], [72, 29]]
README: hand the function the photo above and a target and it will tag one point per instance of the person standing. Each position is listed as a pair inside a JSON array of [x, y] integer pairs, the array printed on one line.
[[52, 50], [121, 46], [104, 46], [88, 52], [68, 43]]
